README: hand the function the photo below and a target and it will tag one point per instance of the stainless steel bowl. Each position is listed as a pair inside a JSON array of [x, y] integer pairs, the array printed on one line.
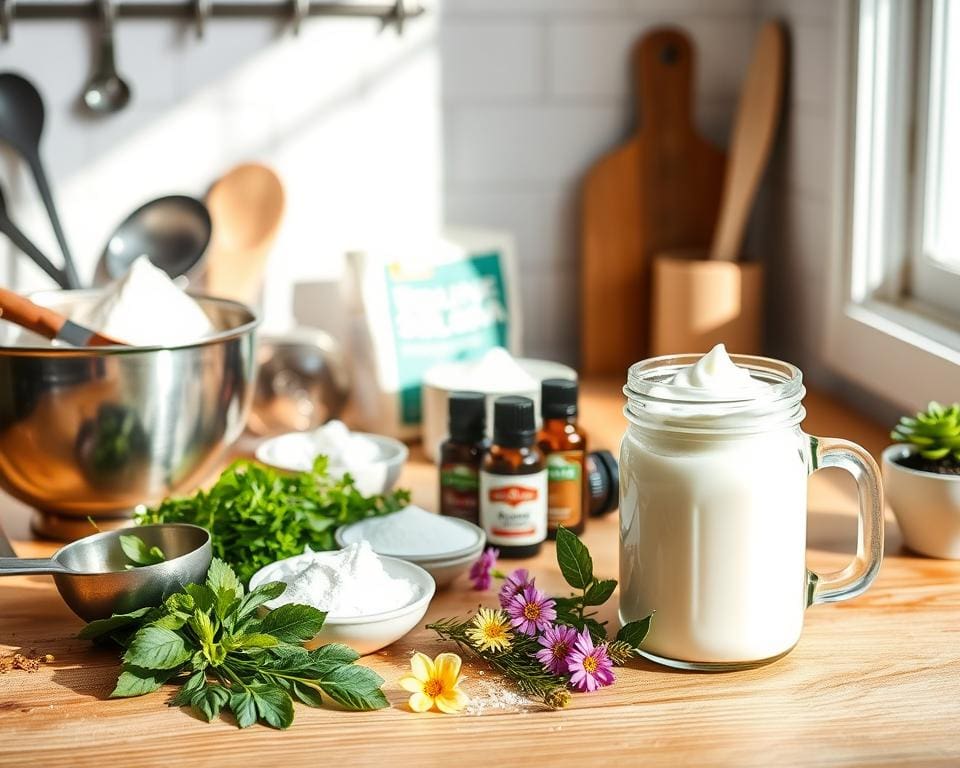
[[94, 432]]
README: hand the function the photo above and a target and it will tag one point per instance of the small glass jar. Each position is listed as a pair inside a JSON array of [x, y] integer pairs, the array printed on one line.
[[713, 512]]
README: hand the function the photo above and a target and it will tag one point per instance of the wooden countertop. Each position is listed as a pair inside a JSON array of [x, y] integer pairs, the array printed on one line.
[[874, 680]]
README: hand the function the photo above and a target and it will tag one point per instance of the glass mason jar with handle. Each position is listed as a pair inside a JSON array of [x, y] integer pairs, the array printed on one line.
[[713, 513]]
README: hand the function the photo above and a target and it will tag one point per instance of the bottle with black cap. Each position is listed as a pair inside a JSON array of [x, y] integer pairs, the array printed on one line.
[[513, 481], [461, 456], [565, 446]]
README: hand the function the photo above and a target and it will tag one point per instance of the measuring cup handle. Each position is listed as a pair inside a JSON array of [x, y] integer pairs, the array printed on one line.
[[862, 570], [27, 566]]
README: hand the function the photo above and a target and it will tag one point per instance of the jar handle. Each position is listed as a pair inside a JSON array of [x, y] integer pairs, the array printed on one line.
[[854, 579]]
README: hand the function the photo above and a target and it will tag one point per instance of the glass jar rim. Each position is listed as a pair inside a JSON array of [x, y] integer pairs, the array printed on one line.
[[652, 401]]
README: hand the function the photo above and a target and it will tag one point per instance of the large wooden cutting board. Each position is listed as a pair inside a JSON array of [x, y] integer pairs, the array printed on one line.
[[659, 191]]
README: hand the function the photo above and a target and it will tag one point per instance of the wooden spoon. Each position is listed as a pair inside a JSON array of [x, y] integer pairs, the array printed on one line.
[[247, 207], [48, 323], [753, 132]]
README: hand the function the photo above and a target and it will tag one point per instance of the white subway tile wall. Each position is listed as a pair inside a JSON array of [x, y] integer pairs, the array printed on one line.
[[486, 113], [794, 224], [518, 143]]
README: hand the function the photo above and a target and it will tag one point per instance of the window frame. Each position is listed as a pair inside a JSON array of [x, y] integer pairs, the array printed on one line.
[[930, 280], [900, 349]]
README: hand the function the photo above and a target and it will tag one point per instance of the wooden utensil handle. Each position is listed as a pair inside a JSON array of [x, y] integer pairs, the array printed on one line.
[[663, 75], [25, 313]]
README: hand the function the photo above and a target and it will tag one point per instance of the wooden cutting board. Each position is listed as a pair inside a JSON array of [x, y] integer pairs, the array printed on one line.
[[659, 191]]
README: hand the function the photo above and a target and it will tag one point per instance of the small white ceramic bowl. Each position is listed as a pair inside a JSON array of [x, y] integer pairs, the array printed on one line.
[[366, 634], [444, 567], [377, 477]]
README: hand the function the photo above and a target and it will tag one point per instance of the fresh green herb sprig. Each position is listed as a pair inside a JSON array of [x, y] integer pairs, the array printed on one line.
[[935, 432], [257, 515], [209, 638], [138, 553]]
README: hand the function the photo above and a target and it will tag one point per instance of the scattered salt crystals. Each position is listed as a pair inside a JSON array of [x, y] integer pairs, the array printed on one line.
[[414, 532], [492, 698]]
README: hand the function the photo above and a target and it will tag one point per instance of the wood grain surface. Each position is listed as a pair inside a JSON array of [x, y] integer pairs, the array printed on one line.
[[873, 681]]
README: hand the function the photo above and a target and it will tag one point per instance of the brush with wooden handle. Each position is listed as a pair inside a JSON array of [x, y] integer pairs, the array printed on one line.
[[48, 323]]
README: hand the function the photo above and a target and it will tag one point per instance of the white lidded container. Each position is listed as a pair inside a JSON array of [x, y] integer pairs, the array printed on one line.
[[444, 378], [713, 513]]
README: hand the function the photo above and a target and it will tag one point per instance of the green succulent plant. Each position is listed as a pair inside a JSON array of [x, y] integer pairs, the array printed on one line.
[[935, 432]]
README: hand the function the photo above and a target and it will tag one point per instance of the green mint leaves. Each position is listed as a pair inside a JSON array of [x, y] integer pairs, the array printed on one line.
[[257, 515], [210, 639], [576, 565], [138, 553]]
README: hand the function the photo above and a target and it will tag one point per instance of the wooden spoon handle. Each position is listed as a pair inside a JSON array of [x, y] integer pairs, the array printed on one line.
[[25, 313], [753, 132]]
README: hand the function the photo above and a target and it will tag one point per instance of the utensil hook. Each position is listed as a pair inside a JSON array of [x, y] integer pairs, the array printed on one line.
[[202, 11], [6, 18], [397, 17], [301, 9]]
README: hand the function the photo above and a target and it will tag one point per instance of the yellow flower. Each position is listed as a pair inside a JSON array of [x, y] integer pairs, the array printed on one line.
[[434, 683], [490, 630]]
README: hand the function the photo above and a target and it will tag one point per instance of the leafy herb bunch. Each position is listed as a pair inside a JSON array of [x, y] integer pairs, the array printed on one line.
[[257, 515], [548, 645], [209, 638]]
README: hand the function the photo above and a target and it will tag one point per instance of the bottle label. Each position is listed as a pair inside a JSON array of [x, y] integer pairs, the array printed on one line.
[[565, 489], [513, 508], [460, 491]]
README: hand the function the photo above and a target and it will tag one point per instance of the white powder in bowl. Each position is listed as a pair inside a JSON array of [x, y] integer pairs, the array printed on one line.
[[346, 451], [351, 582], [414, 532], [145, 308], [496, 371]]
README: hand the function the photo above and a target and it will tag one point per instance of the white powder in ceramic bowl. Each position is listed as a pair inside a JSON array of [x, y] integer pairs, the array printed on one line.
[[351, 582], [413, 532]]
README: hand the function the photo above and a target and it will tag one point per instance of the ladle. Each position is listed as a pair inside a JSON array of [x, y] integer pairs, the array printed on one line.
[[91, 573], [21, 126], [172, 231]]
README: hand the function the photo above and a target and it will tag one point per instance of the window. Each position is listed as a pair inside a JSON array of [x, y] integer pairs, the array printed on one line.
[[935, 267], [895, 326]]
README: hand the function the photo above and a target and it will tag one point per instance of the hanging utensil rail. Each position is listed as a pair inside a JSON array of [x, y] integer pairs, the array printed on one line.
[[200, 11]]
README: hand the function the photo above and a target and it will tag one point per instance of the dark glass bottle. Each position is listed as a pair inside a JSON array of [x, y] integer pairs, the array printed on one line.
[[461, 456], [564, 445], [513, 481]]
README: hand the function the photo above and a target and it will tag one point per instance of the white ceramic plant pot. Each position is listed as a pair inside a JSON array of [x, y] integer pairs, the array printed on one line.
[[927, 505]]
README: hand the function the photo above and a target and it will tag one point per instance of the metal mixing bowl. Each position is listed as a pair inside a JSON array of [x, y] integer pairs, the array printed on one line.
[[94, 432]]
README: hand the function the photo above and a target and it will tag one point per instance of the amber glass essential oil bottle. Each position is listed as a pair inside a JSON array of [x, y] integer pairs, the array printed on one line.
[[513, 481], [564, 445], [461, 456]]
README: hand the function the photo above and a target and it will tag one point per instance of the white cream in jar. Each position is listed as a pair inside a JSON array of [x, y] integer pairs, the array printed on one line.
[[713, 509]]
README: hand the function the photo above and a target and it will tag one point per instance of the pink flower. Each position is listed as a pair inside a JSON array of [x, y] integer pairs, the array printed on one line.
[[590, 667], [557, 642], [480, 570], [513, 585], [531, 611]]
